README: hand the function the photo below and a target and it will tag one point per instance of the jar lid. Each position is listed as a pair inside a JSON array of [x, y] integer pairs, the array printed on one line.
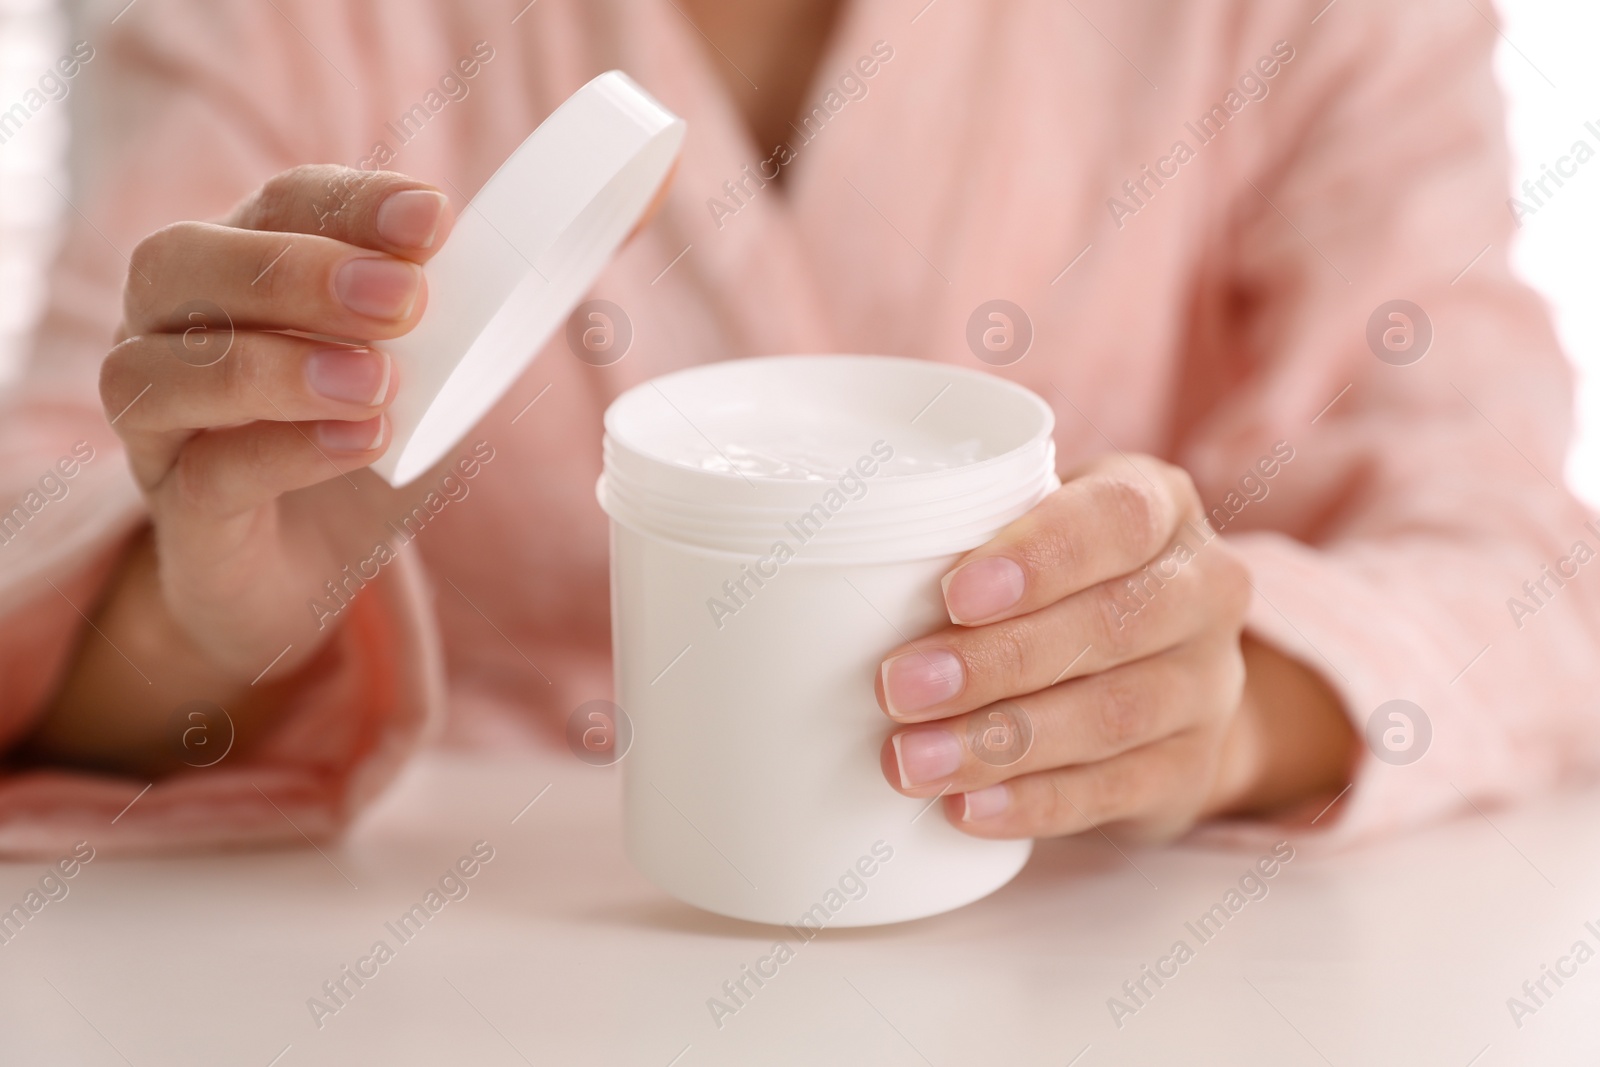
[[521, 256]]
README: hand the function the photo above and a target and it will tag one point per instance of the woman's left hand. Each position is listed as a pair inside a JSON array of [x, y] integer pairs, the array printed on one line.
[[1094, 673]]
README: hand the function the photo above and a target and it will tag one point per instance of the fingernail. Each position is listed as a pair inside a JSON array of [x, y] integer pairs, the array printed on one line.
[[981, 589], [926, 756], [350, 436], [913, 681], [381, 288], [411, 217], [985, 803], [354, 375]]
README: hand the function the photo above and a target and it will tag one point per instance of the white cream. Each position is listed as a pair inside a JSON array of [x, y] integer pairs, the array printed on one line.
[[823, 447]]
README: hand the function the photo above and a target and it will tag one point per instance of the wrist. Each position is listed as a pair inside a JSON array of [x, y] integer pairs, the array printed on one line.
[[1289, 742], [129, 675]]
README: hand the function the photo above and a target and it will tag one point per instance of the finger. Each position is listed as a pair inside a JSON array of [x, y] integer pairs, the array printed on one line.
[[156, 400], [1151, 793], [380, 210], [221, 474], [200, 276], [1108, 519], [1077, 722], [1191, 588]]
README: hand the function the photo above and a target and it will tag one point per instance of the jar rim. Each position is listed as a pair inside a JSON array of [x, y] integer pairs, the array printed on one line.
[[655, 489]]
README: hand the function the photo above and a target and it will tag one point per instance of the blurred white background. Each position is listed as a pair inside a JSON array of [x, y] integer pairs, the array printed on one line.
[[1545, 64], [33, 34]]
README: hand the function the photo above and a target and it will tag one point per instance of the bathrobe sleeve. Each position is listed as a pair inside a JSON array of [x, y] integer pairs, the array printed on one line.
[[1420, 544]]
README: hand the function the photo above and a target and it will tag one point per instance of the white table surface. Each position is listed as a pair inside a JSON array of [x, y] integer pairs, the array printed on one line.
[[1400, 953]]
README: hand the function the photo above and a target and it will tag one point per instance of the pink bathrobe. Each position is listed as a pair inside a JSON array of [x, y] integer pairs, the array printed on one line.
[[1198, 204]]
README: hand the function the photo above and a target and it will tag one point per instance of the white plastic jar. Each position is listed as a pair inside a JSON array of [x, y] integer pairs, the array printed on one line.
[[778, 525]]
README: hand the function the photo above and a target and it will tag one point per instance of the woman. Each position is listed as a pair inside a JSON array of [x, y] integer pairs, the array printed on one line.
[[1204, 212]]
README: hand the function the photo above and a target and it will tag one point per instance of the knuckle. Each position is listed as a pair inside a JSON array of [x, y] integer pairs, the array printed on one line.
[[337, 198], [272, 276], [206, 480], [1115, 792], [1123, 711], [1235, 583], [114, 374], [144, 266], [1002, 657], [152, 265], [996, 658], [1042, 805], [1135, 510], [274, 201], [1048, 542], [1185, 492], [257, 455], [290, 278], [143, 260], [1048, 804], [242, 376], [1223, 580], [1117, 613], [192, 483]]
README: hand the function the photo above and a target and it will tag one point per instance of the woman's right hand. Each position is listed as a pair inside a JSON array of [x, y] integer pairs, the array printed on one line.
[[243, 437]]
